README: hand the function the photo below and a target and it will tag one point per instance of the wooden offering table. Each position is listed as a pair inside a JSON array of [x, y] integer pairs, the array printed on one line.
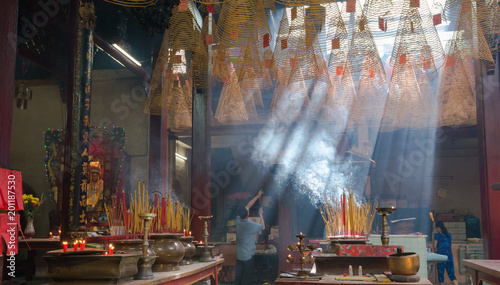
[[483, 270], [188, 274], [330, 279]]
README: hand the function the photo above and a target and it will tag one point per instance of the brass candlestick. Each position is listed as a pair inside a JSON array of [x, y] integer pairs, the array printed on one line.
[[385, 234], [305, 256], [145, 261], [206, 256]]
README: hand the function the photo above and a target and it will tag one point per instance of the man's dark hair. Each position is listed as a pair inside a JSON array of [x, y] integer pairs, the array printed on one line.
[[242, 212]]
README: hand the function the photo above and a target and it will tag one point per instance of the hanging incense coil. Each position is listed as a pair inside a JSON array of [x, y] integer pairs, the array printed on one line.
[[231, 108], [409, 102], [336, 38], [457, 103], [241, 20], [209, 31], [281, 47], [341, 106], [133, 3], [382, 18], [184, 29], [372, 93], [250, 58], [468, 38], [412, 42], [301, 3], [361, 45], [416, 14], [250, 88], [288, 100], [181, 114]]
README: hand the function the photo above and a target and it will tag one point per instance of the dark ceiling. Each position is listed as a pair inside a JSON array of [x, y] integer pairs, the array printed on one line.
[[44, 35]]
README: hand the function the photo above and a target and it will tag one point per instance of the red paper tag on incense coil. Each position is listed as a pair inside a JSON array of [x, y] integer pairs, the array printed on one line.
[[211, 8], [371, 73], [436, 19], [183, 5], [233, 35], [382, 24], [267, 63], [414, 3], [284, 44], [402, 59], [294, 13], [292, 62], [335, 43], [178, 59], [265, 40], [225, 80], [340, 70], [450, 60], [176, 83], [350, 6], [210, 39]]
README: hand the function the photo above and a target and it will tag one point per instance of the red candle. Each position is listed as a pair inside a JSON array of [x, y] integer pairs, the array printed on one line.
[[82, 245], [75, 245], [65, 246], [111, 248], [184, 232], [189, 233], [50, 234]]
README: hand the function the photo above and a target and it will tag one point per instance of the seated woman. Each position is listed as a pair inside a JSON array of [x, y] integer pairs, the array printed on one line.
[[95, 186]]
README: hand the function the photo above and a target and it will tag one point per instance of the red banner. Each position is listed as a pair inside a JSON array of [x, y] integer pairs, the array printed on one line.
[[11, 190]]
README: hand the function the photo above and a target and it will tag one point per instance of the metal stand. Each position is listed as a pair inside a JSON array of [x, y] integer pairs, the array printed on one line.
[[145, 262], [385, 233], [206, 256]]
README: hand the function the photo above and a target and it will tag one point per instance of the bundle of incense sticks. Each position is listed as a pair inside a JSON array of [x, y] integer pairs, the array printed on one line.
[[171, 215], [347, 216]]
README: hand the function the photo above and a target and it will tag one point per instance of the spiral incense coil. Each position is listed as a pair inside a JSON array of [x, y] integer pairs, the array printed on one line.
[[133, 3], [255, 58], [468, 38], [181, 114], [341, 106], [240, 20], [231, 108], [418, 14], [372, 93], [412, 39], [281, 47], [362, 45], [250, 87], [219, 65], [283, 107], [409, 102], [336, 38], [184, 29], [382, 18], [301, 3], [457, 103]]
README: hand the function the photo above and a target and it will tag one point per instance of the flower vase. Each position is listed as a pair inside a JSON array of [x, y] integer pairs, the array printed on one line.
[[29, 231]]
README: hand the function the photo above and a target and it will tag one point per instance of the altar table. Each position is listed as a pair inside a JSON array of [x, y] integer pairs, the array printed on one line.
[[483, 270], [330, 279], [188, 274]]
